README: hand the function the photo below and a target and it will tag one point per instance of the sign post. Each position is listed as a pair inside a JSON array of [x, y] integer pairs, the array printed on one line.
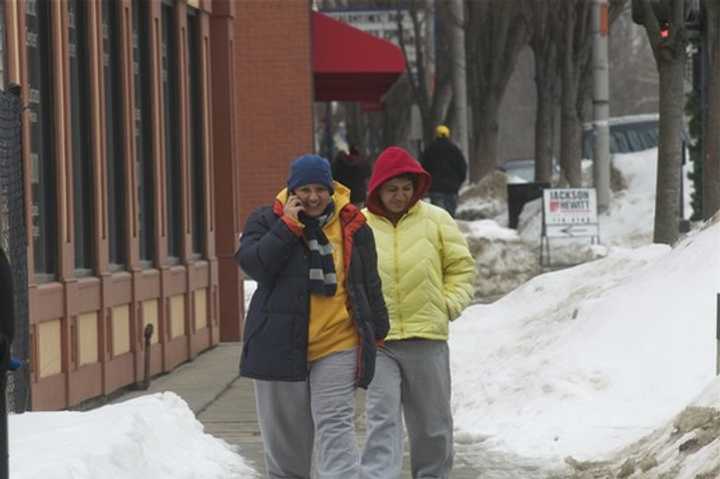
[[568, 213]]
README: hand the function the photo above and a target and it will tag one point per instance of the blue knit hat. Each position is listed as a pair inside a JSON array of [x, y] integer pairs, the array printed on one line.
[[309, 169]]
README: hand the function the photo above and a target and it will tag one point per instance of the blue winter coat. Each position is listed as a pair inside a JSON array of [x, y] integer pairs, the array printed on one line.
[[276, 328]]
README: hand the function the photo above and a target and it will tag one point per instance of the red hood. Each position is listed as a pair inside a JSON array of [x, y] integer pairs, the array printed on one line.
[[392, 162]]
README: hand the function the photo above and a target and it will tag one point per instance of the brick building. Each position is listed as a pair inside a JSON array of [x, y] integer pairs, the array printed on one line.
[[153, 128]]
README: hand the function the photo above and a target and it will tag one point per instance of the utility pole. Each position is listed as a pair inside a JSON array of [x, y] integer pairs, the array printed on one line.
[[459, 74], [601, 105]]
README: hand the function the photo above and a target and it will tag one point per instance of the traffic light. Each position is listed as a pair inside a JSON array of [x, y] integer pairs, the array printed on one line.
[[664, 30]]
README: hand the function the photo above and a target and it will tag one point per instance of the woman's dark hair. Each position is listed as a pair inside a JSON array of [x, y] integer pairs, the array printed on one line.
[[407, 176]]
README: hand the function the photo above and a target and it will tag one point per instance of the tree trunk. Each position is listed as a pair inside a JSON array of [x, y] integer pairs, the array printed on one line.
[[711, 162], [483, 160], [396, 115], [544, 117], [571, 131], [667, 197], [496, 31], [356, 125]]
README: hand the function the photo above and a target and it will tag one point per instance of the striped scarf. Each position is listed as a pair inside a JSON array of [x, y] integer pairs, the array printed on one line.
[[322, 268]]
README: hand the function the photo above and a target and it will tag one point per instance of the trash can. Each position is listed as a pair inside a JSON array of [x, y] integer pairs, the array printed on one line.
[[517, 195]]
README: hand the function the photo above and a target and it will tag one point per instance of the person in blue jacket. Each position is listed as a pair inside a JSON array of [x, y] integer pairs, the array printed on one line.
[[313, 323]]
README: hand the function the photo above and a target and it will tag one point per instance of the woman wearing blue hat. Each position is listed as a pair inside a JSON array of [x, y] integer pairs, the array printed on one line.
[[313, 323]]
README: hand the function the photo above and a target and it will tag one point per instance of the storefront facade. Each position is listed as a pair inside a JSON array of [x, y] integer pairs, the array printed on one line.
[[152, 129]]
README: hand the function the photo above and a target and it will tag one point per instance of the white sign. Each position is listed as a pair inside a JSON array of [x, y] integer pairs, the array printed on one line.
[[570, 212]]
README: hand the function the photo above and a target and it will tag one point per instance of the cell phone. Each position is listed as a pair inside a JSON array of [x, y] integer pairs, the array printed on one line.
[[295, 197]]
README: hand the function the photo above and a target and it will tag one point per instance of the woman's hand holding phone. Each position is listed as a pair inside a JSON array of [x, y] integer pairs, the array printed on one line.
[[293, 207]]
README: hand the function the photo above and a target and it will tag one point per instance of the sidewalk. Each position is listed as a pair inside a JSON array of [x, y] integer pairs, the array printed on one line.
[[225, 404], [199, 382]]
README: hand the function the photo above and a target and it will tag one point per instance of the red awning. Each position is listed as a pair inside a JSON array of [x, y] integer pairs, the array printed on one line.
[[351, 65]]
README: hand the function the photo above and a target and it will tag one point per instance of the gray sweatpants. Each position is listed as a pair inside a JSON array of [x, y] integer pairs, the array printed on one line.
[[294, 414], [411, 377]]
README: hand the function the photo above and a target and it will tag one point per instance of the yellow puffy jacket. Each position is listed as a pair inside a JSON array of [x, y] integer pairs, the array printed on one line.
[[426, 269]]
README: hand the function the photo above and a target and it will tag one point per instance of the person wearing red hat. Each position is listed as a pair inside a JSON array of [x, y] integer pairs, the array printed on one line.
[[427, 277]]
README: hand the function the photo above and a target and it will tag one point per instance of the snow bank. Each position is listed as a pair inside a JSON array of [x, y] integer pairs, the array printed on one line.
[[485, 200], [502, 259], [688, 447], [154, 436], [586, 360]]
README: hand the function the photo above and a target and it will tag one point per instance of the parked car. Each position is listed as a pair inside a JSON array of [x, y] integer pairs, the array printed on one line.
[[627, 134], [523, 170]]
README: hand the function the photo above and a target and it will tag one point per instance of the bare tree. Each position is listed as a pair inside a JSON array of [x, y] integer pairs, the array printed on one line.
[[432, 100], [426, 82], [711, 162], [497, 31], [394, 122], [668, 41], [633, 74], [573, 29], [544, 45]]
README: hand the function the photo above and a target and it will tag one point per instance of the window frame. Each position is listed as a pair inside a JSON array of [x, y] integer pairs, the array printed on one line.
[[81, 134], [144, 133], [43, 166], [169, 72], [196, 127], [114, 144]]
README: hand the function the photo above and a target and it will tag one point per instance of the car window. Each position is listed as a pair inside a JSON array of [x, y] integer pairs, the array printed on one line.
[[649, 132], [635, 141], [626, 137], [621, 141]]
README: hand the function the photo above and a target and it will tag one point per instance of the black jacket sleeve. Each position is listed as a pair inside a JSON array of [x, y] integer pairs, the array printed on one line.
[[461, 164], [373, 284], [265, 246], [426, 160]]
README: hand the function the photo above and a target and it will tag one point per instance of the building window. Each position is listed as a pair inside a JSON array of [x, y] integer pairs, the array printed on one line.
[[80, 113], [196, 121], [42, 160], [173, 178], [114, 134], [143, 133]]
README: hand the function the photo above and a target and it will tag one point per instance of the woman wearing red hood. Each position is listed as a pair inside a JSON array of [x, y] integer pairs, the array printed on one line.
[[427, 277]]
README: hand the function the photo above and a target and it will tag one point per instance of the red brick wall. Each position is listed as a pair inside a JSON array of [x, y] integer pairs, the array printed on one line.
[[274, 95]]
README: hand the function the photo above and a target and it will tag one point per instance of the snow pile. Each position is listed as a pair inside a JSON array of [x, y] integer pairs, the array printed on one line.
[[688, 447], [502, 259], [485, 200], [586, 360], [154, 436]]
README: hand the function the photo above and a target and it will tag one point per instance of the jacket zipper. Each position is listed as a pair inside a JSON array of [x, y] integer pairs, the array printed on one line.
[[397, 280]]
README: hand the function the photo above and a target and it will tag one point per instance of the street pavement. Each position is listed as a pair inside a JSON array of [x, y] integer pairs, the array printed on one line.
[[225, 404]]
